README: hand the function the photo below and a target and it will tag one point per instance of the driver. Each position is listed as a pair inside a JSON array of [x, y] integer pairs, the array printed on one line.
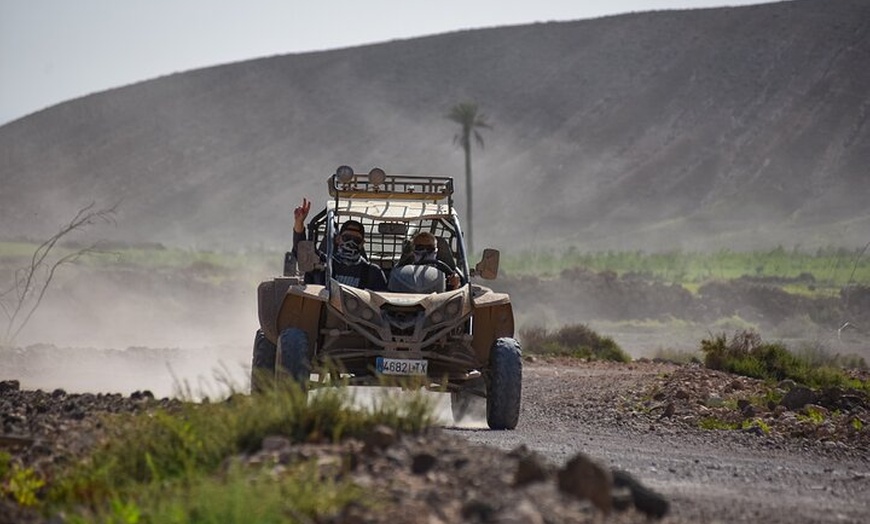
[[425, 252]]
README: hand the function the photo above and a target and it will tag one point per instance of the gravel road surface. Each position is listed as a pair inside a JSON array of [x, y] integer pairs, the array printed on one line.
[[708, 475]]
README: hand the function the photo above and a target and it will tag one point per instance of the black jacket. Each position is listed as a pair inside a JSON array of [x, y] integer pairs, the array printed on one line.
[[364, 275]]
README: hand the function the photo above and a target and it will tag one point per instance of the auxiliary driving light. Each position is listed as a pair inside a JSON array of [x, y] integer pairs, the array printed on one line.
[[377, 176], [344, 174]]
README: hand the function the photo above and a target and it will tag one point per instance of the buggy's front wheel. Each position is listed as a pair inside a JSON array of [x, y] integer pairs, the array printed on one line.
[[293, 362], [504, 384]]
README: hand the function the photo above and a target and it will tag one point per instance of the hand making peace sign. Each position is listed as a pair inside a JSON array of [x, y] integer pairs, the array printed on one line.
[[300, 214]]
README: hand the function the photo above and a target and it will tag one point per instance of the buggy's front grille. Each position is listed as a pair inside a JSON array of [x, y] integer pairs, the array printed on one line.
[[404, 321]]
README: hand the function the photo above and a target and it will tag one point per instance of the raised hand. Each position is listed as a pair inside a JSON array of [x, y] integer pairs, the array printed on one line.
[[300, 214]]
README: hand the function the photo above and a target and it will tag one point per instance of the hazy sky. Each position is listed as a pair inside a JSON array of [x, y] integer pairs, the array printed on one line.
[[56, 50]]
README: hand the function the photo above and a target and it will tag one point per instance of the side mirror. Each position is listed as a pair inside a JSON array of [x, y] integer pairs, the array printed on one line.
[[487, 268], [307, 258]]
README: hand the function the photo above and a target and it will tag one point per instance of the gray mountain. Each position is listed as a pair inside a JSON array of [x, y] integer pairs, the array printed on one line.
[[702, 129]]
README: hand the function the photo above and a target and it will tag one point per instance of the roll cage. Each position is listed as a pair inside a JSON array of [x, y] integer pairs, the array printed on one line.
[[391, 212]]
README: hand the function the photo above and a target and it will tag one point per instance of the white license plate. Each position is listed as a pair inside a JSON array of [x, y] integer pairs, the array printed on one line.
[[401, 366]]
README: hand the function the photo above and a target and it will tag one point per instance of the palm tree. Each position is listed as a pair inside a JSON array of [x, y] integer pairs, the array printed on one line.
[[467, 116]]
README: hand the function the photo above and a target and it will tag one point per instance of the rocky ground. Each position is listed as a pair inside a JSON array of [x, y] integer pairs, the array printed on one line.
[[611, 412], [695, 396], [469, 475]]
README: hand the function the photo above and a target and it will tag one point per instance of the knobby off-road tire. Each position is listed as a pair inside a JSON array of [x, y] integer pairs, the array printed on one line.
[[294, 362], [504, 384], [262, 363]]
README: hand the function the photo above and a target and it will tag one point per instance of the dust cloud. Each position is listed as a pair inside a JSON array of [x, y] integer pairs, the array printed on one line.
[[369, 397], [122, 331]]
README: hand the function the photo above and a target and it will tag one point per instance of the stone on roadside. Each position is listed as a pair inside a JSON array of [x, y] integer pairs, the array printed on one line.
[[798, 397], [422, 463], [587, 480], [531, 468], [380, 437], [646, 500]]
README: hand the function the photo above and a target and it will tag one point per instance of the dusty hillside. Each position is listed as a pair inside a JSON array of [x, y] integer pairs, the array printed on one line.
[[727, 127]]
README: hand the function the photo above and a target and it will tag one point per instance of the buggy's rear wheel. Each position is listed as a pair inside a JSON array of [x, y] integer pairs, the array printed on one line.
[[293, 361], [504, 384], [262, 363]]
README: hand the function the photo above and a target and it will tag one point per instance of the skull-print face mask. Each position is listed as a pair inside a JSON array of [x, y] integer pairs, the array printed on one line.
[[349, 250], [423, 254]]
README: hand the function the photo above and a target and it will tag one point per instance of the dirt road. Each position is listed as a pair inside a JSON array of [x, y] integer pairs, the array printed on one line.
[[600, 409], [709, 476]]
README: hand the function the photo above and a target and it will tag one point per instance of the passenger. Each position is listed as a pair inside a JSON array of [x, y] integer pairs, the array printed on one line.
[[349, 266]]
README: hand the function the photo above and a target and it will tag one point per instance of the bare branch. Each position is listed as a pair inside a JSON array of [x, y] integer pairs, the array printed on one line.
[[68, 259], [30, 283]]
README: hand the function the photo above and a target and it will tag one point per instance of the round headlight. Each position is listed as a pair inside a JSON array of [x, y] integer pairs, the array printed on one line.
[[367, 314], [344, 174], [377, 176], [351, 303], [453, 307], [437, 317]]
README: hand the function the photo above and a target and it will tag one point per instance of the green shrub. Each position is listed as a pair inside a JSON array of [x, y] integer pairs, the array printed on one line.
[[149, 456], [756, 423], [748, 367], [576, 340], [814, 415], [296, 493], [534, 338], [817, 355], [5, 464], [746, 354], [20, 483]]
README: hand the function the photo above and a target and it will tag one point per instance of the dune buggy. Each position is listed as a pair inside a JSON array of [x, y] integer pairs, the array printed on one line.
[[459, 340]]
